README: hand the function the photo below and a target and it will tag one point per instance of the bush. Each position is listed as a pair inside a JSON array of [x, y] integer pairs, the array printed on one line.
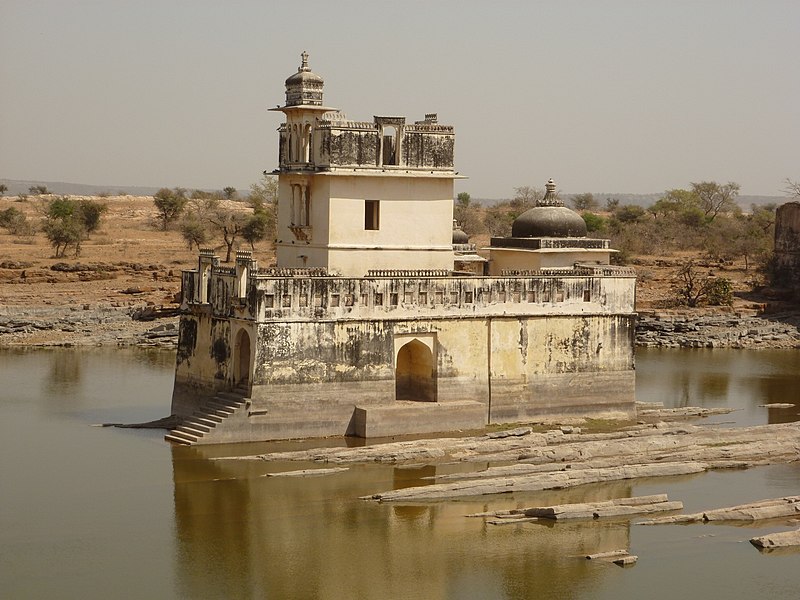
[[63, 233], [170, 205], [594, 222], [14, 221]]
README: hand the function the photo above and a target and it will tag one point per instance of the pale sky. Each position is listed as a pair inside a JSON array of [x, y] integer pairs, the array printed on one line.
[[609, 96]]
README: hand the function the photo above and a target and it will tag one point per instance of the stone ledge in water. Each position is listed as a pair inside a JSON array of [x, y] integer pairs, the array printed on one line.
[[774, 508], [786, 539], [308, 472]]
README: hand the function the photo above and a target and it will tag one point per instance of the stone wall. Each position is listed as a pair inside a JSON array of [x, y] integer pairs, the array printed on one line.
[[327, 352], [787, 246]]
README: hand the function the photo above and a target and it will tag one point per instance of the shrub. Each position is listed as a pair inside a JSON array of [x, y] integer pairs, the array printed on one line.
[[170, 205]]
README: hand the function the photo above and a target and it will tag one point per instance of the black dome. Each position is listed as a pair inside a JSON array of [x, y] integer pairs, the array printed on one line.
[[549, 221], [459, 237]]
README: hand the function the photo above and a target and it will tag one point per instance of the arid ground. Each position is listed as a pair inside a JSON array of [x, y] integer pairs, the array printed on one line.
[[130, 262]]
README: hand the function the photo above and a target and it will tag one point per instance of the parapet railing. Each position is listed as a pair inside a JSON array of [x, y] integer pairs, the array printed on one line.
[[276, 272], [408, 274]]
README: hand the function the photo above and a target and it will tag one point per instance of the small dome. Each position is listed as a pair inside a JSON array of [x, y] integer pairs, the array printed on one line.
[[549, 221], [304, 87], [459, 237], [549, 218]]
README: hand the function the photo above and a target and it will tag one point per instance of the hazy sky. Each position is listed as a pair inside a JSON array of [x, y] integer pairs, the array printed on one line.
[[609, 96]]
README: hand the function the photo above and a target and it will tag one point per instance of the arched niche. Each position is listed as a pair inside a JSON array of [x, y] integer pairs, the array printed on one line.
[[415, 372]]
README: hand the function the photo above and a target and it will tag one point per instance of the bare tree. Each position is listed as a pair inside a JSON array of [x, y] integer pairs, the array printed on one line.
[[792, 188], [526, 197], [715, 198]]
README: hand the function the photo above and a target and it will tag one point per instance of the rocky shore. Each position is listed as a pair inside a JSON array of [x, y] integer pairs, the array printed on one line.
[[90, 325], [741, 329]]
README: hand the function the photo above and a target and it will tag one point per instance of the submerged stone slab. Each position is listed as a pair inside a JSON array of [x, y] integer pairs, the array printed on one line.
[[407, 417], [785, 539]]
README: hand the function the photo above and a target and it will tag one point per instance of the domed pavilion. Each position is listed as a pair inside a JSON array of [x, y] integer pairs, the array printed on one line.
[[547, 236]]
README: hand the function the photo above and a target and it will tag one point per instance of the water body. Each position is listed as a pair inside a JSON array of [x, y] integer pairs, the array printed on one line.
[[89, 512]]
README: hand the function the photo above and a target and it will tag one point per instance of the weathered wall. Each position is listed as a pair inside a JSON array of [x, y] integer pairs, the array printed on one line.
[[509, 349], [539, 366], [787, 245], [203, 360], [428, 146]]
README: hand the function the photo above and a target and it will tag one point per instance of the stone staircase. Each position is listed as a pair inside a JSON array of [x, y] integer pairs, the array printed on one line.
[[202, 422]]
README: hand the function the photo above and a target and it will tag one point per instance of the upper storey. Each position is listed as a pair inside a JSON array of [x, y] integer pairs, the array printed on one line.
[[319, 139]]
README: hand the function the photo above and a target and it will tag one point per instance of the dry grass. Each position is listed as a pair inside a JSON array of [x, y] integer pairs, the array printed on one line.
[[125, 236]]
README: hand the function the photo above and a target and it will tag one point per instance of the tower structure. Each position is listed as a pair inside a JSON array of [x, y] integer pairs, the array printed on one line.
[[357, 196]]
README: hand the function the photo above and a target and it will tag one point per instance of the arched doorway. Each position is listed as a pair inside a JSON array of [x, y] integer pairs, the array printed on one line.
[[242, 358], [415, 377]]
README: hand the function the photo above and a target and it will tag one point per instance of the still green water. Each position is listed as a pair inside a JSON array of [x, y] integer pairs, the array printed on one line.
[[90, 512]]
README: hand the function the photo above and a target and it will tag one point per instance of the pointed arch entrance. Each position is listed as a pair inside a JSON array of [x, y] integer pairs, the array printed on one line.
[[415, 373], [242, 358]]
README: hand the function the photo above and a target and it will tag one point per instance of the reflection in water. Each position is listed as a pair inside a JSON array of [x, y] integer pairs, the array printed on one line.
[[89, 511], [720, 378], [65, 371], [244, 534]]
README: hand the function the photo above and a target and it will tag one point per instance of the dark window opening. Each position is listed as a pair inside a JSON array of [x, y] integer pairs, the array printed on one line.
[[372, 215]]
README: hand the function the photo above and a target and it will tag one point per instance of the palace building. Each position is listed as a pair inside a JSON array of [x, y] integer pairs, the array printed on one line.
[[379, 318]]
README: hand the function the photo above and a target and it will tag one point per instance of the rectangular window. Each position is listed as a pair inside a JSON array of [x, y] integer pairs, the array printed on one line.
[[453, 297], [587, 295], [372, 215], [334, 300], [468, 297], [378, 299], [393, 299], [269, 301]]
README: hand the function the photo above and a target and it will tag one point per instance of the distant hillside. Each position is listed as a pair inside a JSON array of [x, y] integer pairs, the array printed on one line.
[[16, 186]]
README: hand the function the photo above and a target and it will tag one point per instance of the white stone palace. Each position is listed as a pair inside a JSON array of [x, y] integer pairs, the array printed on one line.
[[380, 319]]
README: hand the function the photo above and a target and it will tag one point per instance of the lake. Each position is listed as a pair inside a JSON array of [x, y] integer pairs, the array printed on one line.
[[99, 512]]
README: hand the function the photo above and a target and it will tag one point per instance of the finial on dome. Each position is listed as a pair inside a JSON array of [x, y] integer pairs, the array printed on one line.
[[304, 65], [550, 196]]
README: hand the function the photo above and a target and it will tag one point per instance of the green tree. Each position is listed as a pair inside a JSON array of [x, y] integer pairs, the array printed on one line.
[[38, 190], [3, 188], [229, 192], [170, 204], [594, 223], [629, 213], [612, 204], [63, 225], [584, 201], [715, 198], [193, 231], [90, 213], [675, 201], [465, 212], [257, 228]]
